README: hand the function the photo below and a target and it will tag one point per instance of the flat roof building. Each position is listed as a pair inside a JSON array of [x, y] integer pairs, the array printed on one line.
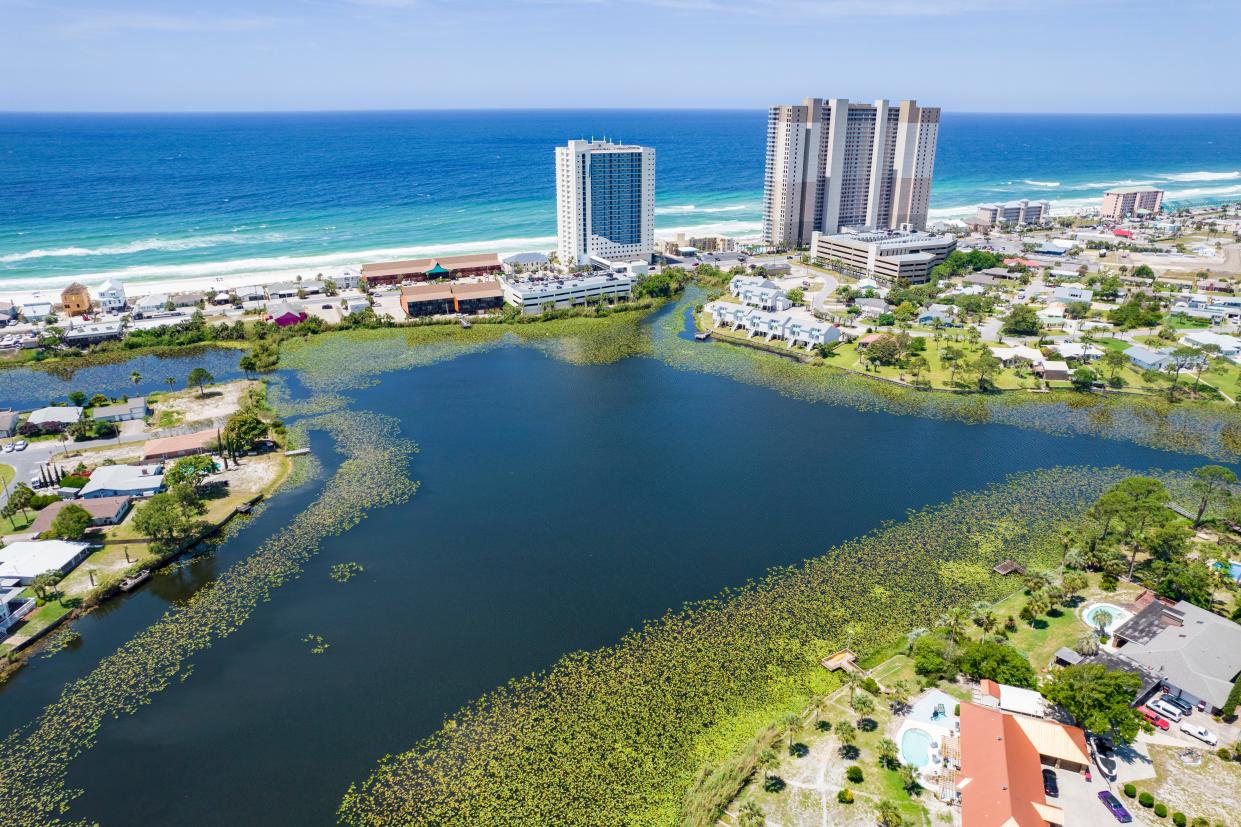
[[25, 560], [425, 269], [888, 256], [440, 299], [605, 202], [1014, 213], [171, 447], [535, 294], [1125, 201], [833, 164]]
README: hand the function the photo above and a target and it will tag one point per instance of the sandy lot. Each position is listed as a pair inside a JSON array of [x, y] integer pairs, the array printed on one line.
[[216, 405]]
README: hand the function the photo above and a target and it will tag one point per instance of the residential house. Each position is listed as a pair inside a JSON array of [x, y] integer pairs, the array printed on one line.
[[285, 314], [1229, 346], [1000, 781], [1052, 370], [135, 408], [252, 293], [64, 414], [1011, 356], [1078, 351], [525, 261], [354, 304], [8, 423], [36, 310], [980, 279], [153, 305], [872, 308], [172, 447], [348, 279], [25, 560], [102, 510], [1196, 653], [13, 607], [295, 289], [8, 311], [112, 296], [123, 481], [755, 291], [75, 299], [1073, 293], [1011, 699], [944, 314], [1144, 358], [796, 328], [1052, 315], [93, 333], [182, 300]]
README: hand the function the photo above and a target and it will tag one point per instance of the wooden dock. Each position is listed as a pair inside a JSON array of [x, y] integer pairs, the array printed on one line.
[[703, 336], [134, 581]]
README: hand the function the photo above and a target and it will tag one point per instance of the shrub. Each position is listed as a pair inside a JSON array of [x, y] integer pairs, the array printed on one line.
[[1161, 810], [1131, 791], [871, 686], [823, 726], [854, 774], [1224, 753], [845, 797], [774, 784], [1179, 819], [798, 750], [73, 481], [1108, 583], [1146, 800]]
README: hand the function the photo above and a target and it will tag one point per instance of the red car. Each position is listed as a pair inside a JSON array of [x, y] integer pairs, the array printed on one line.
[[1154, 717]]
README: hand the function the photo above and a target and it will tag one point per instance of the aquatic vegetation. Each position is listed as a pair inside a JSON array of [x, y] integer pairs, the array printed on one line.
[[616, 736], [317, 644], [344, 572], [59, 642], [1195, 428], [34, 761]]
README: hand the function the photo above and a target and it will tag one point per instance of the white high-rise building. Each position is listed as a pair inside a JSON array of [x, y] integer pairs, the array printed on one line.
[[833, 164], [605, 202]]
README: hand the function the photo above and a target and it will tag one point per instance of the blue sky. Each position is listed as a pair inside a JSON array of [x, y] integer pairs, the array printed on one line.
[[971, 55]]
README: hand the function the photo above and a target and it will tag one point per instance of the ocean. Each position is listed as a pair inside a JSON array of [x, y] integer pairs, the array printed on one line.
[[197, 196]]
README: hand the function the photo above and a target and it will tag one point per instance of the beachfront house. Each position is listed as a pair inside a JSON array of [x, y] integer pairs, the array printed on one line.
[[1144, 358], [8, 311], [135, 408], [34, 311], [112, 296], [524, 262], [62, 414], [75, 300], [295, 289], [1195, 653], [123, 481], [25, 560], [155, 304]]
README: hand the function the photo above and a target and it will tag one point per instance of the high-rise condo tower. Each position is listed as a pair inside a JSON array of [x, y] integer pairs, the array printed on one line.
[[605, 202]]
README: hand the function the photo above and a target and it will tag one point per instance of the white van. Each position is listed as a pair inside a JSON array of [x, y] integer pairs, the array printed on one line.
[[1167, 710]]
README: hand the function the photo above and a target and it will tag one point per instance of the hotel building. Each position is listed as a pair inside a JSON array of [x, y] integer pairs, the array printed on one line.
[[1015, 213], [1125, 201], [889, 256], [534, 295], [605, 202], [833, 164]]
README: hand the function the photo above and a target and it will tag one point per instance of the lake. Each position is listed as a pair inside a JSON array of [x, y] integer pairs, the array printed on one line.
[[560, 506]]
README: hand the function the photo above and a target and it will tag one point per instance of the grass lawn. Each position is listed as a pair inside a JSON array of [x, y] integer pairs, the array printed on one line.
[[1179, 322], [16, 523], [6, 474], [939, 371], [1209, 789]]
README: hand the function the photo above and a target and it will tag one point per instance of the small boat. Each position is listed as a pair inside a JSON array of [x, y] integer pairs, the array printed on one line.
[[133, 581], [297, 452]]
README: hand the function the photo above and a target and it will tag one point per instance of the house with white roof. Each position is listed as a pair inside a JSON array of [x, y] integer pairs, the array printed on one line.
[[756, 291], [25, 560], [797, 328], [111, 295], [36, 310], [1078, 350], [135, 408], [13, 607], [1228, 346], [152, 305], [1010, 356], [124, 481], [1011, 699], [65, 414], [1073, 293]]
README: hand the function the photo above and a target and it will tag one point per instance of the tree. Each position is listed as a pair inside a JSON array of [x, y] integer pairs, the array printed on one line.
[[244, 430], [1098, 699], [847, 733], [70, 523], [170, 381], [1211, 483], [1021, 321], [884, 351], [953, 622], [1234, 699], [796, 295], [985, 367], [162, 519], [1115, 360], [44, 584], [1192, 582], [248, 364], [198, 378], [998, 662], [751, 815], [889, 814], [889, 755], [191, 471], [952, 355], [1083, 378]]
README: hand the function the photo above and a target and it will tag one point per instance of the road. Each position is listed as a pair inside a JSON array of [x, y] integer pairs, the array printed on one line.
[[27, 462]]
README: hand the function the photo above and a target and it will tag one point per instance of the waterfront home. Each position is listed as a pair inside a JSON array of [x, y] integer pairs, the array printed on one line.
[[1195, 653], [13, 607], [135, 408], [285, 314], [756, 291], [64, 414], [123, 481], [348, 279], [172, 447], [75, 300], [152, 305], [795, 327], [1011, 699], [185, 299], [112, 296], [36, 310], [1011, 356], [1073, 293], [25, 560], [1229, 346], [1052, 370], [91, 334], [252, 293], [1001, 760], [8, 423], [1144, 358], [102, 510], [424, 269]]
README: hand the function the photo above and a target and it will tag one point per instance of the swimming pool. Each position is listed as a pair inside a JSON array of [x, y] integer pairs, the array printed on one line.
[[916, 747], [1118, 616], [1232, 567]]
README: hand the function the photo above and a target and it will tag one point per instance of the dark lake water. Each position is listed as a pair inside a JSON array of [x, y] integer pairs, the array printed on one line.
[[27, 388], [560, 506]]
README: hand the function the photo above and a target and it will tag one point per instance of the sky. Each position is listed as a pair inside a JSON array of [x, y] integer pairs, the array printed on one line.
[[963, 55]]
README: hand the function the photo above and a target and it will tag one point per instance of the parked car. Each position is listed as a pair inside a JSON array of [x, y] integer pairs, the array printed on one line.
[[1050, 787], [1169, 711], [8, 447], [1201, 733], [1115, 807], [1180, 703], [1154, 717], [20, 445]]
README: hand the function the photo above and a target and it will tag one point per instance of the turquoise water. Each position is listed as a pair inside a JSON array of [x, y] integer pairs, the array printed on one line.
[[916, 747], [154, 197]]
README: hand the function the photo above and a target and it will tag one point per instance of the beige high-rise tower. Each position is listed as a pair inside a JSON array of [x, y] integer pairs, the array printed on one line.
[[833, 164]]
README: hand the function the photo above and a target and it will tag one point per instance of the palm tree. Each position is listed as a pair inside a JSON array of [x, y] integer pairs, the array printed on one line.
[[170, 381], [889, 814], [888, 753], [953, 621], [751, 815], [768, 761], [791, 722], [853, 680]]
